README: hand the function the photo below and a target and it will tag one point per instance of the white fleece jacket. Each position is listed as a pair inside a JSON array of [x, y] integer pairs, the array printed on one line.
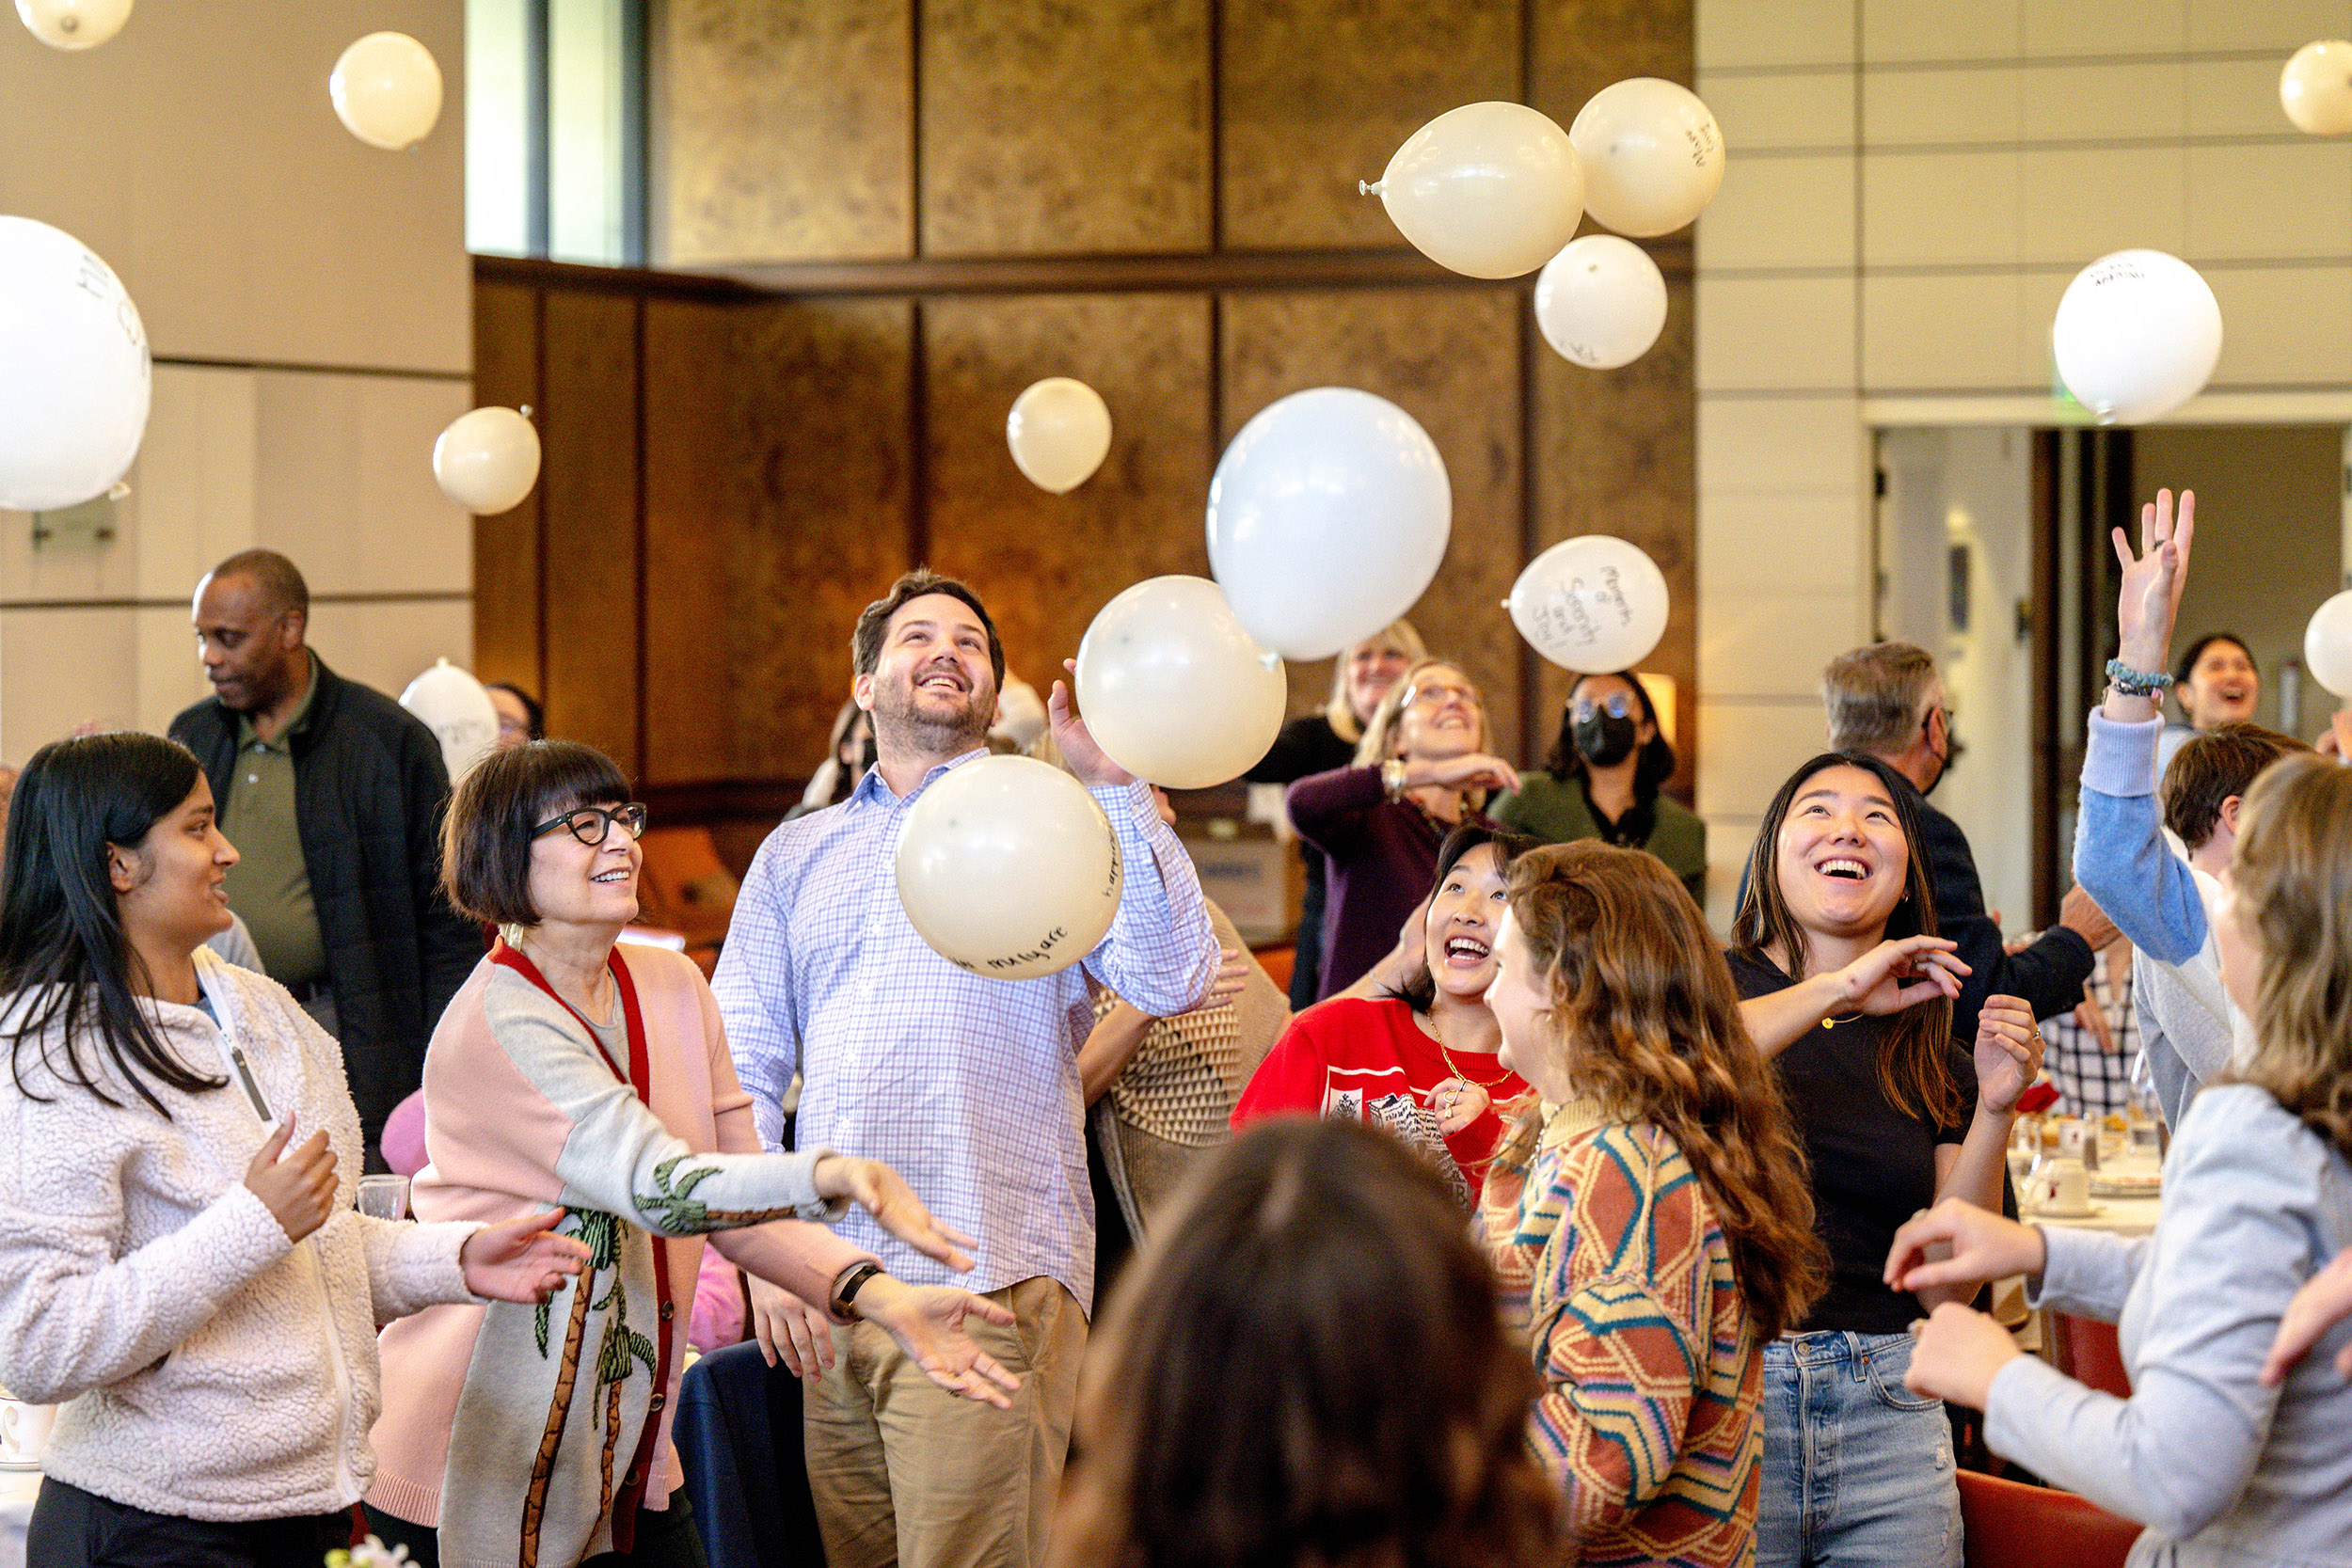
[[208, 1367]]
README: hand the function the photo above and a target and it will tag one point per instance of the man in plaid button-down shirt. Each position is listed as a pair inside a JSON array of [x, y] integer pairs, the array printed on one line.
[[969, 1087]]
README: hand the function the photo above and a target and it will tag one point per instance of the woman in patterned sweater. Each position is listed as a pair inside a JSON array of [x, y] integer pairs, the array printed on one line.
[[1658, 1230]]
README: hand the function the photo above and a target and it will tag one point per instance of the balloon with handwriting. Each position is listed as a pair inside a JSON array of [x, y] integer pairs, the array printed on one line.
[[1593, 603], [1652, 155], [1007, 868], [387, 90], [1329, 516], [2137, 334], [1489, 190], [453, 705], [1174, 691], [1601, 301], [75, 376]]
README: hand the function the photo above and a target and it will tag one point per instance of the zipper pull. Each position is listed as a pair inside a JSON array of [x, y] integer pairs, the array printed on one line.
[[252, 1089]]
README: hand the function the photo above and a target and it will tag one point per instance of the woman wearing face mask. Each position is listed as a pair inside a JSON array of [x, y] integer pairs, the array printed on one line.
[[1321, 741], [1418, 1060], [1422, 767], [1602, 781], [2217, 683]]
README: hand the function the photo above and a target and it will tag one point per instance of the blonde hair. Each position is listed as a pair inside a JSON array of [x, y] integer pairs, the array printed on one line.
[[1339, 712], [2292, 868], [1378, 743]]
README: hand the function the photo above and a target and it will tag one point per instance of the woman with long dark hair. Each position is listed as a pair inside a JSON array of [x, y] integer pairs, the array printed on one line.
[[1848, 989], [179, 1266], [1603, 779], [1655, 1230]]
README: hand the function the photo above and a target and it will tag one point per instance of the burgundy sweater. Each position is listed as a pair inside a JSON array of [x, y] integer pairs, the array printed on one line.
[[1383, 856]]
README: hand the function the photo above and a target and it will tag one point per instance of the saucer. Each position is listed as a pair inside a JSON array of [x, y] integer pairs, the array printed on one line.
[[2089, 1210], [2126, 1186]]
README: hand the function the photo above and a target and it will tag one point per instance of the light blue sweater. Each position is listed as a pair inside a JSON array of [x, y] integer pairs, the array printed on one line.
[[2221, 1469]]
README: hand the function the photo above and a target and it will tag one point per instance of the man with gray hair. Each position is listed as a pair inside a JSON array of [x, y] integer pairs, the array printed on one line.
[[1886, 701]]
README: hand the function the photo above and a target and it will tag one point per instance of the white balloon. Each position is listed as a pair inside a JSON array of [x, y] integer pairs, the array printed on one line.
[[2327, 645], [2315, 87], [1595, 604], [1059, 431], [1652, 154], [2137, 334], [1490, 190], [1173, 689], [451, 703], [1601, 301], [73, 23], [1329, 516], [487, 460], [387, 90], [73, 371], [1007, 868]]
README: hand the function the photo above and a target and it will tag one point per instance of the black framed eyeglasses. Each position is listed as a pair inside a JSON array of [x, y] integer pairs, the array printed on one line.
[[592, 825]]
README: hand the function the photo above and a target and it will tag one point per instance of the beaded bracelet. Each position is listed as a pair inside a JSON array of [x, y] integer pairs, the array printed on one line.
[[2137, 683]]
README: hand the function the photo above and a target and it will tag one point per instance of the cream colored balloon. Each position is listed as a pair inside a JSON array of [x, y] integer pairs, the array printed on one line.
[[1173, 689], [488, 461], [457, 710], [387, 90], [1488, 190], [1653, 156], [1009, 869], [1059, 431], [1601, 301], [2315, 88], [73, 23]]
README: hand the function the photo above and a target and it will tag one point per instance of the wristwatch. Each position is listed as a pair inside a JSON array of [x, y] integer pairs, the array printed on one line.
[[1392, 777], [845, 1289]]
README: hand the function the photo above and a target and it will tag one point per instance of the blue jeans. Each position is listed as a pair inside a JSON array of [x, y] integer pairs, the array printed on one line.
[[1857, 1469]]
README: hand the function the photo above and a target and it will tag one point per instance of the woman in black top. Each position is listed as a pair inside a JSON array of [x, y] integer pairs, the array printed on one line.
[[1850, 990]]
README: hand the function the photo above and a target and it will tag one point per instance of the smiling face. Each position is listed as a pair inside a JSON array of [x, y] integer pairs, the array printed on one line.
[[933, 689], [1522, 1007], [580, 884], [171, 887], [1372, 669], [1457, 943], [1840, 857], [1442, 716], [2223, 687]]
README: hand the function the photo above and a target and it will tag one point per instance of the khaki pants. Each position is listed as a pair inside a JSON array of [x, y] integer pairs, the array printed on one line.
[[904, 1472]]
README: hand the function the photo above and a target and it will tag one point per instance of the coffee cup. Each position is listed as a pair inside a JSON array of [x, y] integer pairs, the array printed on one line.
[[23, 1432], [2061, 1186]]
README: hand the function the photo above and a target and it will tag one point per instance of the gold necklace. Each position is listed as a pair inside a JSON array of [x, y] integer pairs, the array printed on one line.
[[1463, 1074]]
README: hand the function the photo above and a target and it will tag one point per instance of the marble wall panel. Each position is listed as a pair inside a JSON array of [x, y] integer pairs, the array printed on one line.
[[1046, 564], [823, 445], [1315, 95], [1450, 359], [1613, 453], [506, 547], [588, 485], [784, 131], [1065, 129]]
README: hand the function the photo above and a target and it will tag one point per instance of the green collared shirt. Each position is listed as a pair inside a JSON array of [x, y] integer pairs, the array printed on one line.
[[270, 884]]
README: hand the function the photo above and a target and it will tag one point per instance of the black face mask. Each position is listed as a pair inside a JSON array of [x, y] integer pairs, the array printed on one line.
[[1954, 749], [1602, 739]]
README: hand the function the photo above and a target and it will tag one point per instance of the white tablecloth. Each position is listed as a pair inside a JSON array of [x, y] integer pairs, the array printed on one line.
[[2118, 1217], [17, 1490]]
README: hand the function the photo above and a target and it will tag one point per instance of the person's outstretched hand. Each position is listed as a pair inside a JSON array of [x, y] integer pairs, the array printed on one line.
[[1084, 757], [2325, 1300], [1899, 972], [789, 1329], [1982, 1246], [2150, 599], [883, 1192], [523, 1260], [927, 1323]]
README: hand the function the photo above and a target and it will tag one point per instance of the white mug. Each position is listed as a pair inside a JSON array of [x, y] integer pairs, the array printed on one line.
[[23, 1432], [2060, 1186]]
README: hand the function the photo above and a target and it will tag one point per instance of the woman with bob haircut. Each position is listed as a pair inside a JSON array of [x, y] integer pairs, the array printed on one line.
[[567, 1072], [2230, 1449], [1849, 989], [1605, 779], [1422, 767], [179, 1266], [1411, 1049], [1658, 1230], [1304, 1368]]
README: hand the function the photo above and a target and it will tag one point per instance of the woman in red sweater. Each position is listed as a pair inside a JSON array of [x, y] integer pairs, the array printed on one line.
[[1417, 1058]]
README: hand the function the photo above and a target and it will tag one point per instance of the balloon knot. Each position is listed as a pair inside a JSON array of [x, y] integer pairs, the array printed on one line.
[[1371, 188]]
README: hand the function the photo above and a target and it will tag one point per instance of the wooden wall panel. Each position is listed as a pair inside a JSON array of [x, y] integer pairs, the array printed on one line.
[[1450, 359], [1046, 564], [506, 547], [588, 422], [1065, 129], [824, 448], [696, 525], [784, 131], [1613, 453], [1578, 47], [1317, 94]]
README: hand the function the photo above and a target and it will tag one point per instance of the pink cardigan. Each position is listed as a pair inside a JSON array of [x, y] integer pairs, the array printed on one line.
[[494, 1139]]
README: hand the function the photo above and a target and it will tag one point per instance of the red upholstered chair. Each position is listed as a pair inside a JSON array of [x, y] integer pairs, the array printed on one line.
[[2010, 1524], [2089, 1353]]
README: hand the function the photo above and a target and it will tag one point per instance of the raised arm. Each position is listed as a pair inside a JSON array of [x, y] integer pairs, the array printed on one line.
[[1893, 976]]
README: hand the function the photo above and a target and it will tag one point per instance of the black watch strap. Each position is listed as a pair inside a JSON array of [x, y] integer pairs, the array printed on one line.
[[851, 1283]]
